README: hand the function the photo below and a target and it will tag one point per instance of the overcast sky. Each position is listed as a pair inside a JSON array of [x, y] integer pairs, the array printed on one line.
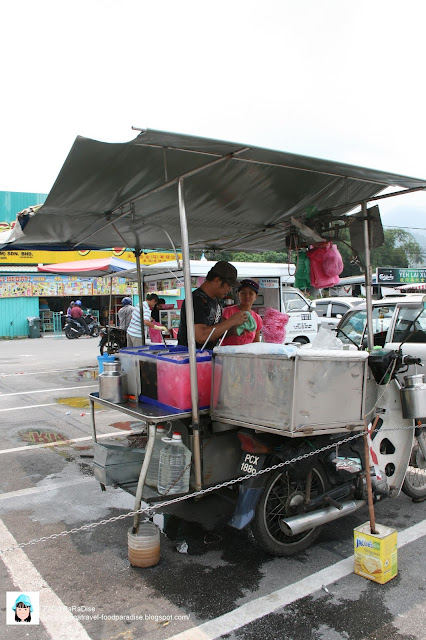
[[336, 79]]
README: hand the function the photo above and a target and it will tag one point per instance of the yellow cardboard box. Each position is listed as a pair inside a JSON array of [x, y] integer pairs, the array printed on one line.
[[376, 555]]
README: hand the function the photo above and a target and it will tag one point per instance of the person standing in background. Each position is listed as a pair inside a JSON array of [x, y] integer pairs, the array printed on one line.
[[134, 336], [125, 313], [154, 334]]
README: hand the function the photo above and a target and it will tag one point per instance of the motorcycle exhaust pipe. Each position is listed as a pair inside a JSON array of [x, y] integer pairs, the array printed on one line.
[[298, 524]]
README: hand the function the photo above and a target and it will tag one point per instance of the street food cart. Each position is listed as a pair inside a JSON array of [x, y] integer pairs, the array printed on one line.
[[161, 190]]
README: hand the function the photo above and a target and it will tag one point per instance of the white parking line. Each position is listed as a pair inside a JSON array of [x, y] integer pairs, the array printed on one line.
[[20, 493], [60, 443], [31, 406], [58, 621], [22, 393], [37, 373], [265, 605]]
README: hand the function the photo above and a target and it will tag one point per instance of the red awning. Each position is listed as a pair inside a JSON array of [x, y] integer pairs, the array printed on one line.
[[91, 268]]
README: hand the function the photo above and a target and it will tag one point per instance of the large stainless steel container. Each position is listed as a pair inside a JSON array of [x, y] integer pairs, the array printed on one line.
[[315, 391], [413, 396], [115, 464], [112, 383]]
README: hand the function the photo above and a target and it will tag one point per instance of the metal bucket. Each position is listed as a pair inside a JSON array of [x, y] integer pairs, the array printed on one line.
[[112, 383], [415, 380], [413, 396]]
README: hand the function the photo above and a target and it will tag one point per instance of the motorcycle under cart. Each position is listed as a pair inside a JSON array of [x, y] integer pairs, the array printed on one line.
[[112, 339], [291, 421]]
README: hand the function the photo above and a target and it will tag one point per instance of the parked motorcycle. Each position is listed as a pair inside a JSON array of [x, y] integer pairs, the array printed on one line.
[[73, 329], [112, 341], [287, 507]]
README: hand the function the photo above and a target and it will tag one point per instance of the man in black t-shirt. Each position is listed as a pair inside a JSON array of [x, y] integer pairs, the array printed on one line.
[[207, 310]]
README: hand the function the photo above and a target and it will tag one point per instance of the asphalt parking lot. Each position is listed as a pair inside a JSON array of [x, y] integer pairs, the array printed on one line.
[[223, 587]]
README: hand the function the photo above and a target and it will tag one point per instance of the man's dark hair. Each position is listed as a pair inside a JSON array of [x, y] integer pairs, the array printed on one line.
[[152, 296], [211, 276]]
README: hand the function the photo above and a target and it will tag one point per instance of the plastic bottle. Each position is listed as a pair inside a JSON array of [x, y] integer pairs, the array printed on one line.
[[174, 467], [152, 474]]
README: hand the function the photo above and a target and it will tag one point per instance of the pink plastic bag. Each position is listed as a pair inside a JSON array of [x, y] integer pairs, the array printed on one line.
[[274, 323], [332, 263], [320, 278]]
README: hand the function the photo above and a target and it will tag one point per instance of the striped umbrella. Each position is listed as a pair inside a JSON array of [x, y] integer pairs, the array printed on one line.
[[415, 287]]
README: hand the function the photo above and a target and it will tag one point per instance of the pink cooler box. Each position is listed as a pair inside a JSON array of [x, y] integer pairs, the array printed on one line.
[[173, 380]]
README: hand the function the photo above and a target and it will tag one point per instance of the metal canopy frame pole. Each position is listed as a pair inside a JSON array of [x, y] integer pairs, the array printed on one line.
[[368, 288], [191, 335], [109, 314], [137, 253]]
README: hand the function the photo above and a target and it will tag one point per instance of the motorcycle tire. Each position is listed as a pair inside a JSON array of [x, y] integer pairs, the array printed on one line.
[[95, 332], [414, 485], [114, 346], [70, 334], [283, 493]]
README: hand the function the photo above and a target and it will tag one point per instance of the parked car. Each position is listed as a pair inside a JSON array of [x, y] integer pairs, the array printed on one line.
[[331, 310], [395, 321]]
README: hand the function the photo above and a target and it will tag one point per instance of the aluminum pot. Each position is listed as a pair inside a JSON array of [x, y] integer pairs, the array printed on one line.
[[112, 383], [413, 396], [414, 380]]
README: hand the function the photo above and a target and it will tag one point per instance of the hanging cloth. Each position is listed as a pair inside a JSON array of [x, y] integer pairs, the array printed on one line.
[[302, 279]]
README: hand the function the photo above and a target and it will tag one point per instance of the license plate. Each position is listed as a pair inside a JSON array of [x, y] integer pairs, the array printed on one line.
[[251, 463]]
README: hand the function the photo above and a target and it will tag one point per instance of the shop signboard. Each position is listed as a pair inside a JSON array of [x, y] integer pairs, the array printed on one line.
[[77, 289], [56, 257], [267, 283], [18, 287], [394, 276], [49, 288]]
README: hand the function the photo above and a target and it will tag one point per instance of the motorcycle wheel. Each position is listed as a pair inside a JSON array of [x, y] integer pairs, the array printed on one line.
[[414, 485], [114, 346], [281, 496], [70, 334], [95, 332]]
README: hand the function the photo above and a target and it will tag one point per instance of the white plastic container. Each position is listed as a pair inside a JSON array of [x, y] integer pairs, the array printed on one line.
[[152, 474], [174, 466]]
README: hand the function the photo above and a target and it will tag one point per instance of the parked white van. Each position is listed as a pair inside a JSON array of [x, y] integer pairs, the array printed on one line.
[[303, 323]]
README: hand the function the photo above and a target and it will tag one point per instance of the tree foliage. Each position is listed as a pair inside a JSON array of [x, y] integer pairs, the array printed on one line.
[[400, 249]]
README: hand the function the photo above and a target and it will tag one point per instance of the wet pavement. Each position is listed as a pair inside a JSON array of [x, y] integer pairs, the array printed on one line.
[[207, 570]]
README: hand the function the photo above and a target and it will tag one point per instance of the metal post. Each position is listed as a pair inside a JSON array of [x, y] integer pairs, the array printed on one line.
[[92, 418], [368, 288], [109, 315], [190, 335], [142, 475], [137, 253]]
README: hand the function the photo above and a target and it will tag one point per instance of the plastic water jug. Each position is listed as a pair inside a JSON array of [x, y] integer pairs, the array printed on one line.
[[174, 466], [152, 474]]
